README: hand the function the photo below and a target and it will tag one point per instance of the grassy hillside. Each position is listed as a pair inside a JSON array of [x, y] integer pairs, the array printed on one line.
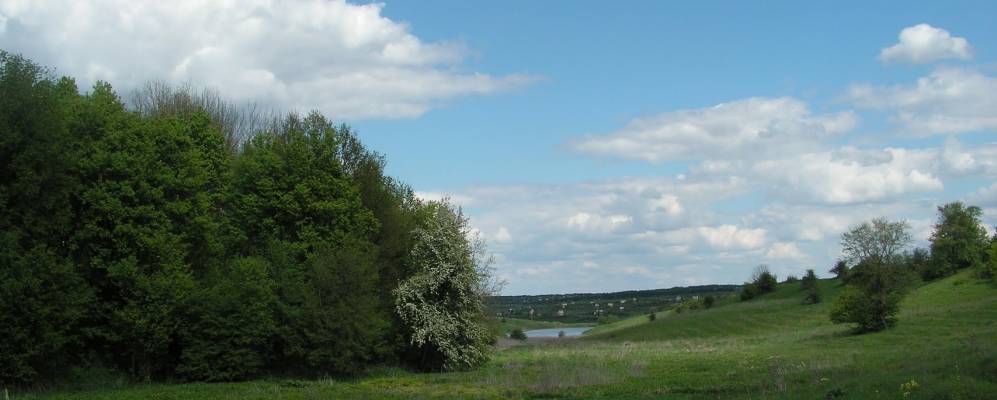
[[770, 347]]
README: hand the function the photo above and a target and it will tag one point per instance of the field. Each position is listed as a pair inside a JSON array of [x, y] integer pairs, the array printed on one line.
[[771, 347]]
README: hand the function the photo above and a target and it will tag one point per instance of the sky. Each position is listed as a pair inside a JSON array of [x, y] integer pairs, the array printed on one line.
[[599, 146]]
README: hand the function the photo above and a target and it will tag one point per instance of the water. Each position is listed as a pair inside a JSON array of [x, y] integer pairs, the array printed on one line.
[[553, 332]]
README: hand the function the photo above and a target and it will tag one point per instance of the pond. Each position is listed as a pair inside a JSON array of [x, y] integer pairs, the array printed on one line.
[[553, 332]]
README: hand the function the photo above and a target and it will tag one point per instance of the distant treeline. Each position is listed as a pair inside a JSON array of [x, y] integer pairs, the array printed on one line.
[[180, 237]]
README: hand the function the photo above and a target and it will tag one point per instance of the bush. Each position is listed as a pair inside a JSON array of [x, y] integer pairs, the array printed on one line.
[[708, 301], [841, 271], [809, 285], [988, 270], [749, 291], [517, 334], [873, 302], [762, 281], [791, 279], [560, 334], [651, 316]]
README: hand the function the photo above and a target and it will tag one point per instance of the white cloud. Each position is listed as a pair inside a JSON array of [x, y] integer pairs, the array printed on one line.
[[949, 100], [784, 251], [924, 43], [984, 197], [668, 203], [851, 176], [730, 236], [503, 235], [742, 128], [584, 221], [346, 60]]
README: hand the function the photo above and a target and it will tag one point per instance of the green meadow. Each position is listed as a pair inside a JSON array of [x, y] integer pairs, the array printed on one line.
[[943, 347]]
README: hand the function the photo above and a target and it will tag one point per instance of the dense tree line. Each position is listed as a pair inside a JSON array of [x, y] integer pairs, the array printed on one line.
[[181, 237]]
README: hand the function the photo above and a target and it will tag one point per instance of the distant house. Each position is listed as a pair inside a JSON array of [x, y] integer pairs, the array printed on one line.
[[560, 313], [621, 308]]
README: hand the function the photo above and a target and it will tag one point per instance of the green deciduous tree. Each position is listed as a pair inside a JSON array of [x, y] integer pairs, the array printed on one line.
[[879, 280], [959, 240]]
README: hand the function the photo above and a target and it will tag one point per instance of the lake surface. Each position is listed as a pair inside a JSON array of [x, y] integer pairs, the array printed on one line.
[[553, 332]]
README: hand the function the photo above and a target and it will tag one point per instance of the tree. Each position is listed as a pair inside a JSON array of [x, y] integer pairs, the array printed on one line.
[[989, 267], [879, 279], [43, 298], [841, 271], [872, 303], [442, 303], [879, 239], [708, 301], [232, 323], [810, 287], [762, 281], [959, 240]]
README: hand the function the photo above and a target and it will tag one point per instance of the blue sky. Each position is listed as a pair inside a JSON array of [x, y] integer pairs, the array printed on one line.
[[597, 145]]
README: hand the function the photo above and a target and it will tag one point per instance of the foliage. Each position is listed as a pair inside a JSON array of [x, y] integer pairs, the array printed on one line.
[[811, 288], [43, 297], [872, 302], [517, 334], [232, 322], [841, 270], [988, 270], [442, 303], [879, 238], [959, 240], [879, 279], [762, 281], [652, 316], [185, 237], [708, 301]]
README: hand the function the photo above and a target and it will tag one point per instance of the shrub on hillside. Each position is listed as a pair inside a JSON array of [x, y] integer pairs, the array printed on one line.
[[651, 317], [517, 334], [872, 302], [762, 281], [791, 279], [810, 287], [708, 301]]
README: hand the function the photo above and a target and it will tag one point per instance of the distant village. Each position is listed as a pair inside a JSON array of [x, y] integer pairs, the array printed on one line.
[[589, 307]]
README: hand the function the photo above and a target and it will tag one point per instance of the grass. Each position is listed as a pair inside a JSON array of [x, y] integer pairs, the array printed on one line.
[[770, 347]]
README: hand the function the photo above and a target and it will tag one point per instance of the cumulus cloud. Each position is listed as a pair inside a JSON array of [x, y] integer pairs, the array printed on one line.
[[736, 129], [984, 197], [924, 43], [949, 100], [730, 236], [346, 60], [852, 176], [784, 251]]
